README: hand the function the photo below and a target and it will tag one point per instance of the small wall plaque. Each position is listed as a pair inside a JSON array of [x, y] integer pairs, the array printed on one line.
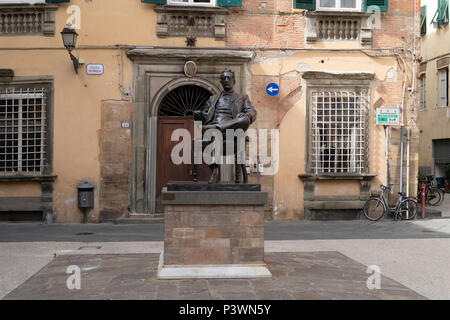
[[190, 69], [126, 124], [95, 69]]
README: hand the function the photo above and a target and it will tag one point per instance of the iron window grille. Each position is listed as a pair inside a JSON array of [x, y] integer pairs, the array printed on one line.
[[22, 130], [339, 128]]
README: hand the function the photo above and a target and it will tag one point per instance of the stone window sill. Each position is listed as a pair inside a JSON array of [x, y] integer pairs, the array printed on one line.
[[335, 176], [339, 26], [27, 178], [182, 21]]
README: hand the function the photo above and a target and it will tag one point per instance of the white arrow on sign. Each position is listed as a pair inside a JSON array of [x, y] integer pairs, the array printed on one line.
[[272, 89]]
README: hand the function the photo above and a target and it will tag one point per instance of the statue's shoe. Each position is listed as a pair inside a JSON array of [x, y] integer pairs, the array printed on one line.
[[214, 176]]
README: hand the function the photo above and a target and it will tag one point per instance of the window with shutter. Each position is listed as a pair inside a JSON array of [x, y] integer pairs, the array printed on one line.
[[443, 87], [207, 3], [423, 20], [441, 18], [383, 5], [340, 5], [305, 4]]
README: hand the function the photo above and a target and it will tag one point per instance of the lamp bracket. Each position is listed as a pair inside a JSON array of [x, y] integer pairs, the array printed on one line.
[[75, 62]]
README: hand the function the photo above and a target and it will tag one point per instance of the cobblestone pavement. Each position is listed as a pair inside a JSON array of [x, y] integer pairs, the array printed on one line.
[[295, 276]]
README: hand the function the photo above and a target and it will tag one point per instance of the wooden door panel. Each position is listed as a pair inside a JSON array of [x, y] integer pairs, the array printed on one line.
[[166, 170]]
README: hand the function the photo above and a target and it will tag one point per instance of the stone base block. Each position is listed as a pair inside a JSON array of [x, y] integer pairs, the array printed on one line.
[[224, 271], [213, 228]]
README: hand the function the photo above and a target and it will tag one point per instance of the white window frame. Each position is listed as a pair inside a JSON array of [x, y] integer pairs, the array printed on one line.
[[211, 3], [444, 71], [338, 7]]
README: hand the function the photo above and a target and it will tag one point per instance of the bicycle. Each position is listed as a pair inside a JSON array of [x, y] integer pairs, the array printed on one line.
[[376, 207], [433, 194]]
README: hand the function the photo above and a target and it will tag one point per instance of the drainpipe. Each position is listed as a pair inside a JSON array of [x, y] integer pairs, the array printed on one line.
[[412, 100], [386, 183], [403, 117], [408, 139], [401, 152]]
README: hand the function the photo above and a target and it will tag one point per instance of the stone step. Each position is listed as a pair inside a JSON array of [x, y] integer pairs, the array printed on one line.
[[140, 219], [429, 213]]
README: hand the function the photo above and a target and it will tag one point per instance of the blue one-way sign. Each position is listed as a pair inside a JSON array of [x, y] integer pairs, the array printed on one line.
[[272, 89]]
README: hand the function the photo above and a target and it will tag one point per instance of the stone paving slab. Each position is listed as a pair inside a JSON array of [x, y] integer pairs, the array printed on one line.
[[295, 276]]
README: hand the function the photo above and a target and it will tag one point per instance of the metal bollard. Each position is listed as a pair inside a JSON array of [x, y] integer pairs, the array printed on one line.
[[422, 187]]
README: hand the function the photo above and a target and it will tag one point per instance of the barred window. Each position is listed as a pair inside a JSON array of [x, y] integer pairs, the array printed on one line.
[[22, 130], [339, 127]]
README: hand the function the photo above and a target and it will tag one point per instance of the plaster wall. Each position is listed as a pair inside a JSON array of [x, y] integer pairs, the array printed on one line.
[[433, 121], [288, 188]]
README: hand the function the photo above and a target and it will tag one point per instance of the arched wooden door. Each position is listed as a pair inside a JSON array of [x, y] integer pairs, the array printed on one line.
[[176, 111]]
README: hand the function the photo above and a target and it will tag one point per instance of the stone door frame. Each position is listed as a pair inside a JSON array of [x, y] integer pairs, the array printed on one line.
[[156, 72]]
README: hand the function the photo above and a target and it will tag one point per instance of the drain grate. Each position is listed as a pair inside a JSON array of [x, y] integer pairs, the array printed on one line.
[[84, 233]]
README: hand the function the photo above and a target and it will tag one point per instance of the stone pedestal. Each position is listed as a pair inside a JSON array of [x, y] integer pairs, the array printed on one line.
[[213, 234]]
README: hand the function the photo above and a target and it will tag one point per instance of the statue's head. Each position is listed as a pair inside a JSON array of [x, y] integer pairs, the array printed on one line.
[[227, 80]]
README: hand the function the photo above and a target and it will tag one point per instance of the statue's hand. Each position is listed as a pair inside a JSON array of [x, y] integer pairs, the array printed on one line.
[[198, 115], [242, 115], [210, 126]]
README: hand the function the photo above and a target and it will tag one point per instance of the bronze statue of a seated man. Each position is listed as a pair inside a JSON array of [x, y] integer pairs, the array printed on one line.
[[227, 110]]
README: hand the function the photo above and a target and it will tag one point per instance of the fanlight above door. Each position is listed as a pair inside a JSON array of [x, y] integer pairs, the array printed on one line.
[[183, 101]]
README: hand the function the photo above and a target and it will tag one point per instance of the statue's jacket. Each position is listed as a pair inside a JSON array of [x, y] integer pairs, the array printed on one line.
[[243, 112]]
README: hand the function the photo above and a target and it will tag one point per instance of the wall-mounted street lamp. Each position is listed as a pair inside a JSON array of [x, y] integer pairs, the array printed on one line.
[[69, 37]]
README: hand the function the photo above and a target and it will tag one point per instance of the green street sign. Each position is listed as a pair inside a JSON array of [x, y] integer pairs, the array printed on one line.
[[388, 117]]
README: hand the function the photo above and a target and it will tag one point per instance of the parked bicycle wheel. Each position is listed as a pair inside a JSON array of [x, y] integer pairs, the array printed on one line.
[[442, 194], [408, 209], [434, 196], [374, 209]]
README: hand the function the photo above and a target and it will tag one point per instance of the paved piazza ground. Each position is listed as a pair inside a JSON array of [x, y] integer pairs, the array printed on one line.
[[306, 275]]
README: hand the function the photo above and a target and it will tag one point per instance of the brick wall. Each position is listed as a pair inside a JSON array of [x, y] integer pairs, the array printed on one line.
[[277, 24]]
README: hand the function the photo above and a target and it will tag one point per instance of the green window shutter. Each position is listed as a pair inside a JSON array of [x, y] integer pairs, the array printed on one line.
[[443, 13], [423, 20], [382, 4], [305, 4], [56, 1], [154, 1], [229, 3]]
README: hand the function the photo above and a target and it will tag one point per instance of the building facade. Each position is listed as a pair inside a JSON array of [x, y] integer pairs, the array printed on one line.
[[434, 90], [141, 61]]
